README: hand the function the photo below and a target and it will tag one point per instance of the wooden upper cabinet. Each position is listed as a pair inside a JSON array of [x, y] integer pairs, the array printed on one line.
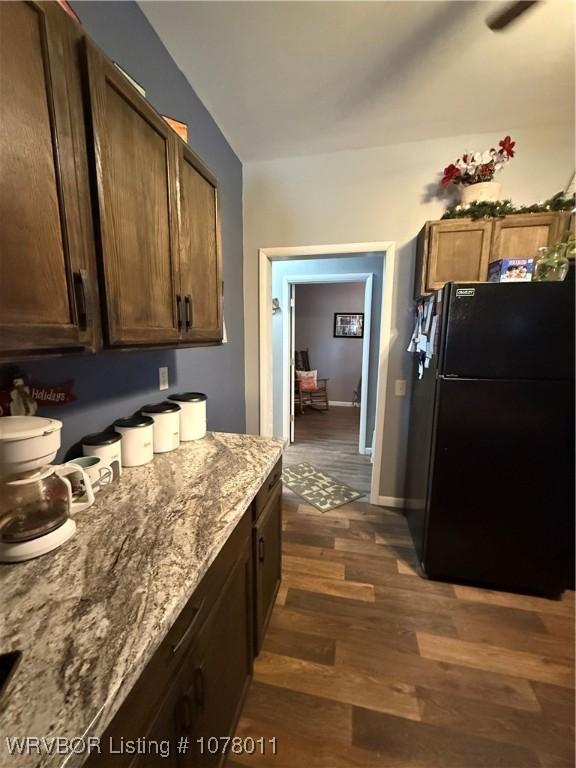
[[200, 257], [109, 222], [48, 281], [135, 165], [457, 250], [520, 236], [460, 250]]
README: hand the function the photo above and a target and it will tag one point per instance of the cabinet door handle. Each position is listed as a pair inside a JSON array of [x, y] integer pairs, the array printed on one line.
[[261, 551], [188, 307], [186, 713], [83, 303], [179, 310], [176, 646], [199, 688]]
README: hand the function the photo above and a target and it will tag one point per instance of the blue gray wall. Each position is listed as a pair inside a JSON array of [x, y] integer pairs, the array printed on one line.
[[113, 384], [347, 264]]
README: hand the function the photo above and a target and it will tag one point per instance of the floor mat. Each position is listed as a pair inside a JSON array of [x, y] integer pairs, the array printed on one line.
[[318, 489]]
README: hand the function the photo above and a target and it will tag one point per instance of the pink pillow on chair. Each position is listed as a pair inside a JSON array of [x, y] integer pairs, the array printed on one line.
[[307, 380]]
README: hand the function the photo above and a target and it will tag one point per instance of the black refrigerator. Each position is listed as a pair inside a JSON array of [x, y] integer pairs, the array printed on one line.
[[490, 476]]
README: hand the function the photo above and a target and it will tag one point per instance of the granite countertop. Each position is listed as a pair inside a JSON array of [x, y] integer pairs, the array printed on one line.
[[89, 616]]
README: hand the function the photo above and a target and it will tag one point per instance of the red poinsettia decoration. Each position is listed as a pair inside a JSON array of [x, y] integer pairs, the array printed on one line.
[[474, 167], [450, 173], [507, 146]]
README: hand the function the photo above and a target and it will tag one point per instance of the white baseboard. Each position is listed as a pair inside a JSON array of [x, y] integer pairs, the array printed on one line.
[[340, 403], [397, 502]]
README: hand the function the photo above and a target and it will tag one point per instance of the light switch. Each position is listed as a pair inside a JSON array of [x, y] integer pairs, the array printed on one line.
[[400, 387], [163, 377]]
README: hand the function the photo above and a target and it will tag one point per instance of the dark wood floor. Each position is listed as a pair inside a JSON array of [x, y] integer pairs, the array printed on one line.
[[366, 664], [329, 440]]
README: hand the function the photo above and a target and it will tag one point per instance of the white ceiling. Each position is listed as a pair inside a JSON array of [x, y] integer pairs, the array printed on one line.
[[299, 78]]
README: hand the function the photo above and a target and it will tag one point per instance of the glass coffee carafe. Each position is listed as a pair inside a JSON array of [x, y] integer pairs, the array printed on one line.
[[38, 502]]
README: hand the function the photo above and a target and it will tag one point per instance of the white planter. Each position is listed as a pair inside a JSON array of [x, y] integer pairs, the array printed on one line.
[[481, 192]]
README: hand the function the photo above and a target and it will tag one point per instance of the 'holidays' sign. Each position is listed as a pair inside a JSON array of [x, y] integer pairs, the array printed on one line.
[[24, 399]]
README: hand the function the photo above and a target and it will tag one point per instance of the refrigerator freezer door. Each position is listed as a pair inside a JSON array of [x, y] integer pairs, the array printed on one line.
[[500, 508], [509, 331]]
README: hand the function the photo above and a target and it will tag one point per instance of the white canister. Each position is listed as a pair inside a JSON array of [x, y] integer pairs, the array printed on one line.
[[192, 414], [137, 439], [107, 446], [166, 430]]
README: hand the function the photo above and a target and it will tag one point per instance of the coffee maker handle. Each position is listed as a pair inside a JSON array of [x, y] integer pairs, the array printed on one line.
[[88, 497]]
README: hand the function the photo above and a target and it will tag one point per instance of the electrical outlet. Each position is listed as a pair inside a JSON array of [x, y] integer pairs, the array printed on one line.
[[163, 377], [400, 387]]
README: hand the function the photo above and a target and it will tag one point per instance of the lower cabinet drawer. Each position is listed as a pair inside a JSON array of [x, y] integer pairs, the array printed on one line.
[[267, 489]]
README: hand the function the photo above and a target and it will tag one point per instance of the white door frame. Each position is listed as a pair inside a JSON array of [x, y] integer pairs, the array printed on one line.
[[291, 363], [266, 256], [359, 277]]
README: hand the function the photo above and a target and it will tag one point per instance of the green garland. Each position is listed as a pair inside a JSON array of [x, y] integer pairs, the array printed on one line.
[[494, 210]]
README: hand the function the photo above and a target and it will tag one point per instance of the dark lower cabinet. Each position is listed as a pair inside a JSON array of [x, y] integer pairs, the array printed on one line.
[[167, 728], [192, 689], [267, 546], [220, 668], [194, 684]]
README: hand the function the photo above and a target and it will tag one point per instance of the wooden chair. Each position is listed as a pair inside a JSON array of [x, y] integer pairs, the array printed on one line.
[[317, 398]]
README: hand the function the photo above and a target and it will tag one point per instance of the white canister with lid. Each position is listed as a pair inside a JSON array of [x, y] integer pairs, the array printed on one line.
[[137, 439], [166, 429], [192, 414], [107, 446]]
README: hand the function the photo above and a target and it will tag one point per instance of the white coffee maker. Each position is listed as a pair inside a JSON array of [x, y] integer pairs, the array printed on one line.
[[37, 498]]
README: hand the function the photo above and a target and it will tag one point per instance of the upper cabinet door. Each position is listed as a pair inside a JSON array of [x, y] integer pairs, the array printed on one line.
[[520, 236], [135, 164], [458, 251], [48, 281], [200, 257]]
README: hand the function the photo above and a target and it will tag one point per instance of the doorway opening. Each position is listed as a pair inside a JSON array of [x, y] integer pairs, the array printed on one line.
[[326, 355], [340, 354], [356, 430]]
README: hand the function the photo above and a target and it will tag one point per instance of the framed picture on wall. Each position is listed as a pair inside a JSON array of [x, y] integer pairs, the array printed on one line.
[[349, 325]]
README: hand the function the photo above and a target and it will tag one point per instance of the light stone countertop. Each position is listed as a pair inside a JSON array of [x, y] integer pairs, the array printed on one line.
[[89, 616]]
